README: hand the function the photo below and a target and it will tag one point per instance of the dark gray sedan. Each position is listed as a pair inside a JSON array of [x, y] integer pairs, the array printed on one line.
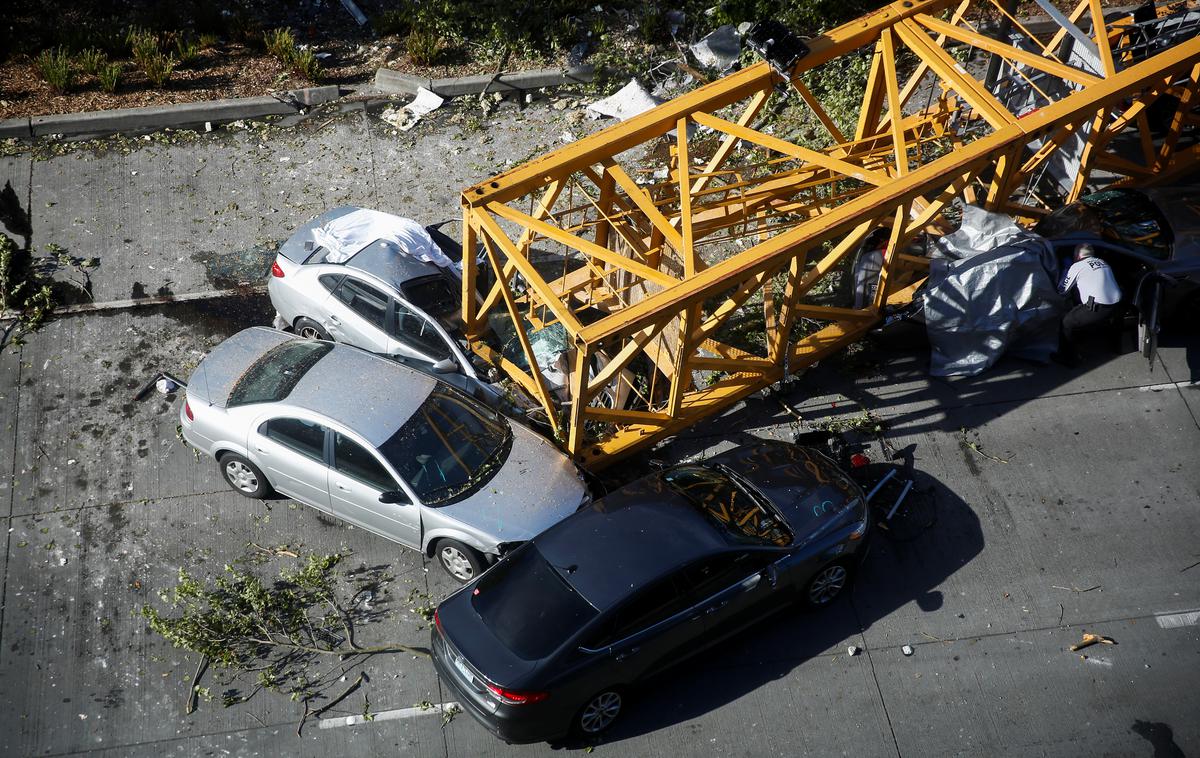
[[549, 641]]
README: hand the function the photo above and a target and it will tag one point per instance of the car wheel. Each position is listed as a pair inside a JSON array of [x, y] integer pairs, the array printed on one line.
[[462, 563], [311, 330], [827, 584], [599, 713], [246, 478]]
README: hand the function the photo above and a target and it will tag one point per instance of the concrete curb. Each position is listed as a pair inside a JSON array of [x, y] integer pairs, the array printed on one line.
[[152, 118], [394, 82]]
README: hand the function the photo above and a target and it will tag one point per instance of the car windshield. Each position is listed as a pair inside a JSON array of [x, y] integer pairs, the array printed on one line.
[[449, 448], [1122, 215], [272, 377], [528, 604], [742, 515]]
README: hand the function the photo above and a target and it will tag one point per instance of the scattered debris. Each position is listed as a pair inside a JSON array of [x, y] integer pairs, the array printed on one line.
[[975, 446], [628, 102], [853, 650], [720, 49], [1185, 568], [353, 10], [1073, 588], [1090, 639], [407, 117], [907, 650]]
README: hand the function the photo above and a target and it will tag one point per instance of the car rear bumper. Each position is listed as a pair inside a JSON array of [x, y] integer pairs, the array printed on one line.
[[522, 729]]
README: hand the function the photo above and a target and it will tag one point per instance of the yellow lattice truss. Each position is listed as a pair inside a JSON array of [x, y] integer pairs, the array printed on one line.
[[689, 257]]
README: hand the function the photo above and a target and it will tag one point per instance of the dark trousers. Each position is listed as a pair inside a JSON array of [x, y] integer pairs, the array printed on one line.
[[1081, 318]]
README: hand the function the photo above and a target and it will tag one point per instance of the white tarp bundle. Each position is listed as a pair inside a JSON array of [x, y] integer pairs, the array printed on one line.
[[997, 294], [345, 235]]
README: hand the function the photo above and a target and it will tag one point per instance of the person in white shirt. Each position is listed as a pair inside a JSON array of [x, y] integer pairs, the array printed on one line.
[[1096, 297]]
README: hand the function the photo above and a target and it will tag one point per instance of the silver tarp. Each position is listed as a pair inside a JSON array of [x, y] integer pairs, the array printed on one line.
[[991, 290]]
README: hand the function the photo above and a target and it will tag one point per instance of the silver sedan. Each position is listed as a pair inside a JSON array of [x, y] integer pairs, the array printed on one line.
[[373, 280], [376, 444]]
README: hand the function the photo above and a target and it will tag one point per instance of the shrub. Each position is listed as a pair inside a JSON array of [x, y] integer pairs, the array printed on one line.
[[423, 46], [158, 67], [110, 77], [143, 44], [208, 41], [55, 67], [92, 61], [187, 49], [306, 64], [281, 43]]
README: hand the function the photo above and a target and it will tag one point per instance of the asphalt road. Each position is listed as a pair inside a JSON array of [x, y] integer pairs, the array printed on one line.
[[1048, 502]]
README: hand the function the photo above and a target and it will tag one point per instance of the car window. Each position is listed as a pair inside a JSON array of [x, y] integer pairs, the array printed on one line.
[[450, 447], [355, 461], [418, 332], [305, 437], [738, 513], [720, 572], [434, 295], [528, 606], [658, 602], [272, 377], [330, 281], [364, 300]]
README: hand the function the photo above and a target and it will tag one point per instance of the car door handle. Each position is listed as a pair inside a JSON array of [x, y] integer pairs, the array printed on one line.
[[264, 452], [715, 608], [627, 653], [342, 487], [333, 319]]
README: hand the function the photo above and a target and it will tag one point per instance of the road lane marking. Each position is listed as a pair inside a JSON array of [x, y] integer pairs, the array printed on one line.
[[399, 713], [1176, 620]]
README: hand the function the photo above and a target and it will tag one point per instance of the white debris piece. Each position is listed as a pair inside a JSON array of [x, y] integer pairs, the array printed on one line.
[[407, 117], [626, 103], [907, 650], [720, 49], [853, 650]]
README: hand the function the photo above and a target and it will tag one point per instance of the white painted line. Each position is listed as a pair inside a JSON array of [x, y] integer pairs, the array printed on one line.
[[1176, 620], [399, 713]]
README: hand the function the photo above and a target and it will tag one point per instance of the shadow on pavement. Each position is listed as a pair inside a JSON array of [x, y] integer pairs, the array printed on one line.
[[905, 565]]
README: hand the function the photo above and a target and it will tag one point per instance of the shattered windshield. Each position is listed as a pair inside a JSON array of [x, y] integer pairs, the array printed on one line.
[[272, 377], [449, 448], [741, 516], [433, 295], [1122, 215]]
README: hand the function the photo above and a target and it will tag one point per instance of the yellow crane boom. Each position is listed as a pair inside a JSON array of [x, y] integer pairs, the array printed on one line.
[[688, 257]]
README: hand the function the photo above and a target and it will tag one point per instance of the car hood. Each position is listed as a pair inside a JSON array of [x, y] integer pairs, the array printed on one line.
[[536, 488]]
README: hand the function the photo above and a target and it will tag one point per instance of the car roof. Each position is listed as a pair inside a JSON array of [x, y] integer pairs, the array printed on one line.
[[364, 392], [631, 537], [381, 258], [390, 263]]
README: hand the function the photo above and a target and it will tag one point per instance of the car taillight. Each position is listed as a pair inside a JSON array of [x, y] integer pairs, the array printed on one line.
[[859, 531], [512, 697], [187, 411], [276, 270], [437, 621]]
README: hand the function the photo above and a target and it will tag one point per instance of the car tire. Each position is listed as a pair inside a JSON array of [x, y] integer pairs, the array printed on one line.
[[462, 562], [827, 584], [244, 477], [599, 713], [311, 330]]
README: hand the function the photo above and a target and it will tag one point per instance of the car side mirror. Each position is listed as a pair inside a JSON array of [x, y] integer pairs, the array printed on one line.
[[397, 497], [445, 366]]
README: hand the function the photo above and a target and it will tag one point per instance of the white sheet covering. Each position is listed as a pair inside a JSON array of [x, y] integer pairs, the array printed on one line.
[[346, 235]]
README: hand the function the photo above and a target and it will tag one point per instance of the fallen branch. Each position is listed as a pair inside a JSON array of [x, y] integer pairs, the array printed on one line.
[[1073, 588], [194, 690], [1090, 639]]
